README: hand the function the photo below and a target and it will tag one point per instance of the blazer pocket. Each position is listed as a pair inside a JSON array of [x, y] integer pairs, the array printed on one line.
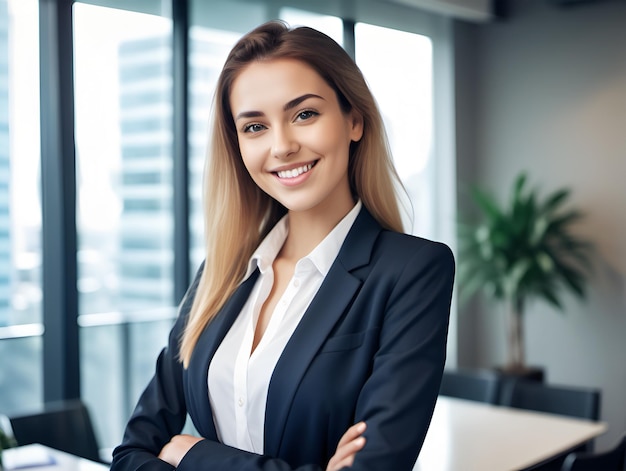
[[346, 342]]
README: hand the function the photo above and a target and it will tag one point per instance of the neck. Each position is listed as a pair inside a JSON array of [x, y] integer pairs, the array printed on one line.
[[308, 229]]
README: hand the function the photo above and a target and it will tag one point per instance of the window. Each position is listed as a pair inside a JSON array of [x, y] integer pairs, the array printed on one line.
[[123, 102], [123, 109], [398, 68], [20, 208]]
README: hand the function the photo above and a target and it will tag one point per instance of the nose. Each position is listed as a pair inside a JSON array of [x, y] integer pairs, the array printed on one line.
[[284, 143]]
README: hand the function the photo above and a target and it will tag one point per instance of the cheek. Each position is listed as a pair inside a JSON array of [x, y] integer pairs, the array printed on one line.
[[331, 140]]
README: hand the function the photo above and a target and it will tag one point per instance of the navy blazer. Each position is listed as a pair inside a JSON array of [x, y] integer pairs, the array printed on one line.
[[371, 346]]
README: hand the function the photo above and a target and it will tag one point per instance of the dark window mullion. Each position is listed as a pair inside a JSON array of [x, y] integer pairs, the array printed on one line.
[[180, 67], [58, 179], [349, 42]]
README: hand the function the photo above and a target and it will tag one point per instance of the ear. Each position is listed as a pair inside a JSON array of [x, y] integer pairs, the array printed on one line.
[[356, 123]]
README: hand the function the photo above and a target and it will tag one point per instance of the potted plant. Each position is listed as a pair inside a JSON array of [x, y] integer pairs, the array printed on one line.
[[520, 251]]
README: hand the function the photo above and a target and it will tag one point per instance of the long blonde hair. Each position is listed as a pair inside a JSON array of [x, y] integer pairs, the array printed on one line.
[[237, 213]]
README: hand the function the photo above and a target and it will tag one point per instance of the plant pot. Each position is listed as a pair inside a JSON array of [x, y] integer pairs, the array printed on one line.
[[527, 373]]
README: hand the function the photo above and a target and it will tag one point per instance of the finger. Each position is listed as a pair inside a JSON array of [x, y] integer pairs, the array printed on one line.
[[345, 463], [353, 432], [344, 456], [349, 449]]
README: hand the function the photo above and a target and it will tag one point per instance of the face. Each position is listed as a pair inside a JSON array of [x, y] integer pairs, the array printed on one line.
[[293, 136]]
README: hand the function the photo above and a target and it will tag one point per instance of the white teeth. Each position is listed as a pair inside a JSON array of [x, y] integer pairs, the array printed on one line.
[[294, 172]]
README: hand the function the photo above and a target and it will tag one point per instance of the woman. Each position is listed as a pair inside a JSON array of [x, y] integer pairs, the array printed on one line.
[[314, 334]]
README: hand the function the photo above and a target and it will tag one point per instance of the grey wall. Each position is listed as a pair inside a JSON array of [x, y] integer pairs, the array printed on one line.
[[544, 90]]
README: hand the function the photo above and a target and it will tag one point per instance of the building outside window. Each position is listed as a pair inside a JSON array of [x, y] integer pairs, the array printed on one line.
[[20, 208], [124, 148]]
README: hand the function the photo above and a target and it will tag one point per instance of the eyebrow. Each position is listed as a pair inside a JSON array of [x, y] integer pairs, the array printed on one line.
[[288, 106]]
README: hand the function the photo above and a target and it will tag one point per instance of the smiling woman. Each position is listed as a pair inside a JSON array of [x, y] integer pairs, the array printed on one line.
[[314, 335]]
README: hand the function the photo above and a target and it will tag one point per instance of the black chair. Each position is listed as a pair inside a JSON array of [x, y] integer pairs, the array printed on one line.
[[474, 385], [65, 426], [610, 460], [583, 403]]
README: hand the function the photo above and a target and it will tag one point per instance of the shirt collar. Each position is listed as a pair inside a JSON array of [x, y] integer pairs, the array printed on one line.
[[322, 256], [266, 252], [326, 251]]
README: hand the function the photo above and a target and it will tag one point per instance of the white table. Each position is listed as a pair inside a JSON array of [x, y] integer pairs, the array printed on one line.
[[463, 435], [473, 436], [62, 461]]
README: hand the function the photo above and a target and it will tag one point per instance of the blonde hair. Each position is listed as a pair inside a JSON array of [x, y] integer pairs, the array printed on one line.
[[237, 213]]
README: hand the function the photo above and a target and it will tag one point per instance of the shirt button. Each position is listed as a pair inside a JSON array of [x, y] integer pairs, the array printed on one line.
[[296, 283], [240, 402]]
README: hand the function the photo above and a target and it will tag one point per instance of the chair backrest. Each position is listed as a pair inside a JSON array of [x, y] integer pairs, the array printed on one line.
[[475, 385], [65, 426], [574, 402], [610, 460]]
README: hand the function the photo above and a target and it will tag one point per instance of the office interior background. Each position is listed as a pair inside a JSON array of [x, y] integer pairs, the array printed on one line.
[[104, 110]]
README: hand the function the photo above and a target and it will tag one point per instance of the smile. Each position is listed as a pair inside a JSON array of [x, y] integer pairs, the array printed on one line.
[[294, 172]]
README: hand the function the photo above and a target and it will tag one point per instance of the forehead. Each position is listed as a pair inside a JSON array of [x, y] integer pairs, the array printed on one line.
[[275, 82]]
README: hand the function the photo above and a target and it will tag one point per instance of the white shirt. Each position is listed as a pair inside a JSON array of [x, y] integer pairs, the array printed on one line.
[[238, 382]]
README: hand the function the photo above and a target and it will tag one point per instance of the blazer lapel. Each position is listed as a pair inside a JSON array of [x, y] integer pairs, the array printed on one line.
[[208, 342], [333, 297]]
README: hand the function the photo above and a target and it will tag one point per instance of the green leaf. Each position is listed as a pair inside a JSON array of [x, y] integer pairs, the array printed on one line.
[[486, 204], [549, 296], [555, 200], [518, 188], [558, 223]]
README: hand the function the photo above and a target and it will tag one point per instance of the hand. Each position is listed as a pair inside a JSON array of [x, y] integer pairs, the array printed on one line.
[[351, 442], [174, 451]]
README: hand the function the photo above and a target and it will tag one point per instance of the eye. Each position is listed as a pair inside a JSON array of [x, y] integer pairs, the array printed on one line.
[[306, 114], [253, 128]]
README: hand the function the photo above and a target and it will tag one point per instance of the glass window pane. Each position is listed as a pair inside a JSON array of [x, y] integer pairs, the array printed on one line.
[[20, 208], [123, 106], [398, 68], [21, 380], [118, 360], [102, 376], [123, 90]]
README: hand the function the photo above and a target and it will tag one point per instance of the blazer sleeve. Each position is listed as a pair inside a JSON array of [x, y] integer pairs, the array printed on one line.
[[398, 398]]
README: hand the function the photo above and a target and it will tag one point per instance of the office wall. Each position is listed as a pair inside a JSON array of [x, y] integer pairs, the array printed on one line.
[[544, 90]]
